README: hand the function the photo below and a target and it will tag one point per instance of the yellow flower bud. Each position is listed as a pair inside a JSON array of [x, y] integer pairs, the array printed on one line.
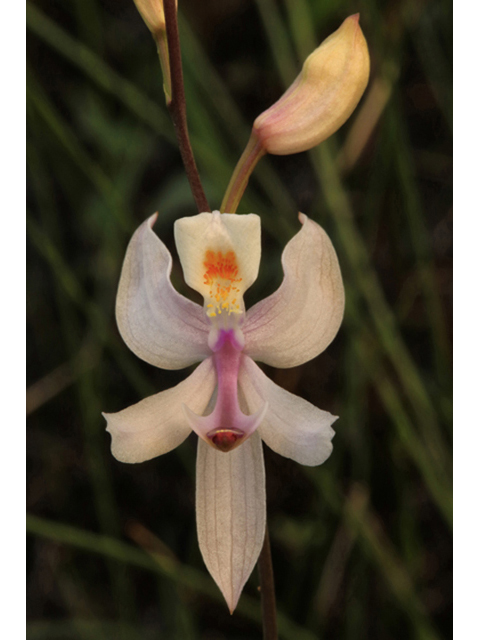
[[152, 14], [322, 97]]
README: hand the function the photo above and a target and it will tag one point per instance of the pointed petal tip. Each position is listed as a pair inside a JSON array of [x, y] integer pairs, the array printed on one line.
[[231, 598], [152, 219], [232, 601], [107, 418]]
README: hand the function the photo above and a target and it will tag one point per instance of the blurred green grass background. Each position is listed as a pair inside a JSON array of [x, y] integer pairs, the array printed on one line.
[[361, 545]]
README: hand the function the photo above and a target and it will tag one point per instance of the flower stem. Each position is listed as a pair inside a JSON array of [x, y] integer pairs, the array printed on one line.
[[239, 180], [162, 50], [267, 591], [177, 105]]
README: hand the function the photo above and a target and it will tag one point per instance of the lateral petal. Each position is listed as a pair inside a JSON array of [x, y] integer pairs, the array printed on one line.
[[292, 427], [158, 324], [302, 317], [231, 512], [157, 424]]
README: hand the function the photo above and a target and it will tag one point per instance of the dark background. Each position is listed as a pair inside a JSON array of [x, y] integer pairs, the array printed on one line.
[[361, 545]]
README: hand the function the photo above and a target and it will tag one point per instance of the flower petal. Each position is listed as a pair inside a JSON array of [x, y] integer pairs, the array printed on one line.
[[219, 249], [292, 427], [302, 317], [158, 324], [156, 424], [230, 500], [323, 96]]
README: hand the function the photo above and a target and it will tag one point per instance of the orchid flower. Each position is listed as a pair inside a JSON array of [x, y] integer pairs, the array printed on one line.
[[227, 401]]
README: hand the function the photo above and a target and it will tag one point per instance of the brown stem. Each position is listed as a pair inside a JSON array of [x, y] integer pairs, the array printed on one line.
[[177, 105], [267, 591]]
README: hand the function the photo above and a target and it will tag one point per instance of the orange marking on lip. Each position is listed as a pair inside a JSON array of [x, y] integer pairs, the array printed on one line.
[[221, 273], [220, 266]]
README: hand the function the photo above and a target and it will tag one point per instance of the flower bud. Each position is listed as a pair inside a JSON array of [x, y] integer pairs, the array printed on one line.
[[152, 14], [323, 96]]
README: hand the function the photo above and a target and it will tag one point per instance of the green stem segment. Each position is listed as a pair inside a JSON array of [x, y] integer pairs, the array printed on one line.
[[239, 180], [267, 590], [162, 49], [177, 105]]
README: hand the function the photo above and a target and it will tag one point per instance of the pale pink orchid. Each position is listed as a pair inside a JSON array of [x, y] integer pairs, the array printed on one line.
[[227, 401]]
